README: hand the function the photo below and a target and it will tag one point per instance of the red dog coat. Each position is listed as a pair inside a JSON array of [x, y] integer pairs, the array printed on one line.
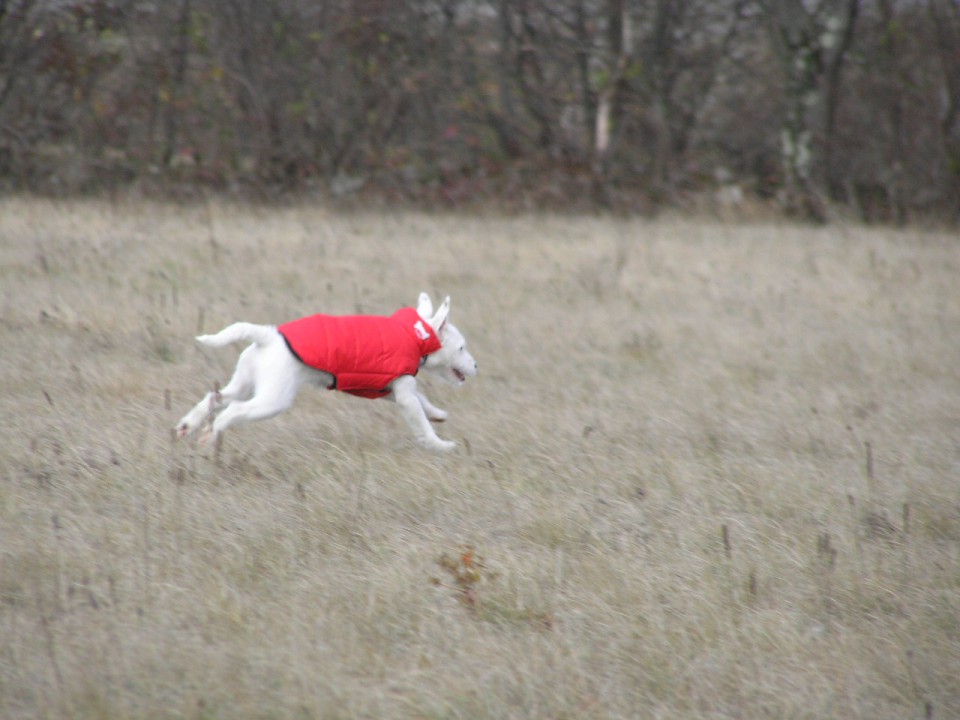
[[364, 353]]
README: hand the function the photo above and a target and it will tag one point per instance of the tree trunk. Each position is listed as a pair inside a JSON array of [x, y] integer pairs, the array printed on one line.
[[180, 54], [810, 42], [617, 39]]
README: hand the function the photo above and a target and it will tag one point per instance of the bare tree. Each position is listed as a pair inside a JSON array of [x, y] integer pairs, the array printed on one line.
[[19, 54], [811, 39], [945, 19], [178, 50]]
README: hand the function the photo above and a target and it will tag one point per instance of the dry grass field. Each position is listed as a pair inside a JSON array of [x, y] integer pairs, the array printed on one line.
[[707, 470]]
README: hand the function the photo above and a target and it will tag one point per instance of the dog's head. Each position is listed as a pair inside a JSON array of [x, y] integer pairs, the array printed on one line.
[[452, 362]]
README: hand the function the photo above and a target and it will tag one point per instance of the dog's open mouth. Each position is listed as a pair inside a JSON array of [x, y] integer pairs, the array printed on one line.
[[459, 375]]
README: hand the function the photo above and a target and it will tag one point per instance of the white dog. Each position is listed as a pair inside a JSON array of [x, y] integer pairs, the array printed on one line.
[[366, 355]]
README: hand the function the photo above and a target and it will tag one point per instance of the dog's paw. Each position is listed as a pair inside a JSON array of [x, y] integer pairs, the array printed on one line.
[[440, 446], [182, 430], [438, 415]]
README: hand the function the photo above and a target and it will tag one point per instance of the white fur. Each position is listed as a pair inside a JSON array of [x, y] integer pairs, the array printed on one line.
[[268, 376]]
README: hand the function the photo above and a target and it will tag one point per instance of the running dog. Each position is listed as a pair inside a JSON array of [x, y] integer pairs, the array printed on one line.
[[370, 356]]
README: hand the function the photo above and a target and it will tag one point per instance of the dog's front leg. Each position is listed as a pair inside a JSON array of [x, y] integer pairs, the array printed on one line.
[[434, 414], [408, 400]]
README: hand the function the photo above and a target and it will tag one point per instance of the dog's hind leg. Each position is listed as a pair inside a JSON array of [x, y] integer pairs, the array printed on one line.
[[199, 413], [240, 387], [274, 379], [263, 405]]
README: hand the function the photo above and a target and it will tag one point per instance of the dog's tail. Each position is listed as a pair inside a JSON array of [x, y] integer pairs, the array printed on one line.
[[241, 332]]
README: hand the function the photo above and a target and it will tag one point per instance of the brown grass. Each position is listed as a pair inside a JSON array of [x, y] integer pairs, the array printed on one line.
[[707, 471]]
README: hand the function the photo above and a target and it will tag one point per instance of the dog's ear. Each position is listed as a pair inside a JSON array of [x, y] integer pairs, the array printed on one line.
[[438, 320], [424, 306]]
